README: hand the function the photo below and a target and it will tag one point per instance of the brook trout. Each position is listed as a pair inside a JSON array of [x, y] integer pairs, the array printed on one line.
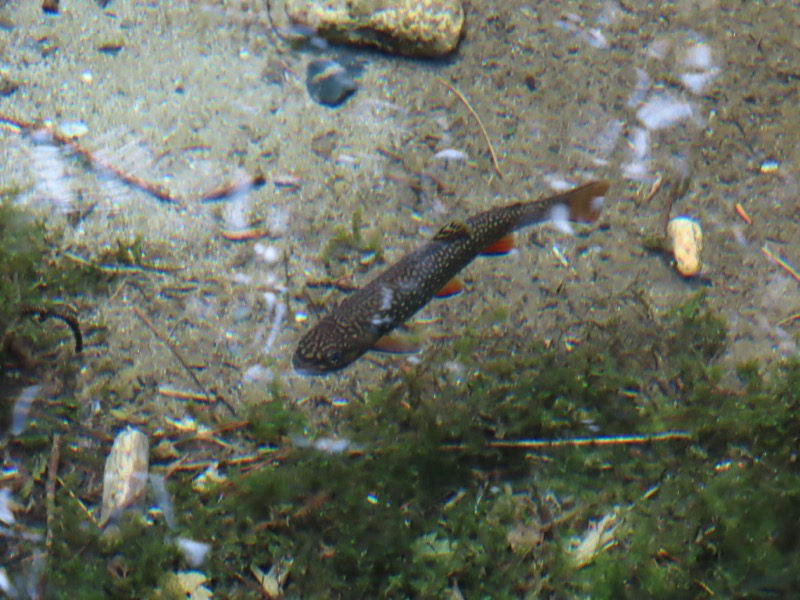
[[362, 321]]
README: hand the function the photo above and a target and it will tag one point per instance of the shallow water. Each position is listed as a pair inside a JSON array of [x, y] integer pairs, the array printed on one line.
[[194, 97]]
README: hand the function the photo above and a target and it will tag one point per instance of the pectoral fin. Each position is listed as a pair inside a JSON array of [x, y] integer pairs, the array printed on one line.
[[397, 344], [502, 246], [451, 288]]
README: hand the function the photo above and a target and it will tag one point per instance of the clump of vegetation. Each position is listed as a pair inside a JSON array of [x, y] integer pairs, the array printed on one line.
[[425, 499], [346, 244], [21, 253]]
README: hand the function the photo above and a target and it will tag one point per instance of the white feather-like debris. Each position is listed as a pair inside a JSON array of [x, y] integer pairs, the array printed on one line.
[[698, 56], [22, 408], [5, 584], [278, 315], [195, 552], [640, 88], [559, 217], [697, 82], [664, 110], [53, 185], [328, 445], [698, 59], [451, 154], [163, 499], [639, 166], [6, 507], [599, 536]]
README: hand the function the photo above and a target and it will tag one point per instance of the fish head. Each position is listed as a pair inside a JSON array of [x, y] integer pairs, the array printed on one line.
[[325, 349]]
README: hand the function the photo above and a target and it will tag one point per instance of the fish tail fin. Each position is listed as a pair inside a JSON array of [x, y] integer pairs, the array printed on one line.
[[579, 205]]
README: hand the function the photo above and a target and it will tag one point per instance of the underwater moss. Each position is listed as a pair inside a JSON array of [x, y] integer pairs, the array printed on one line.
[[422, 503]]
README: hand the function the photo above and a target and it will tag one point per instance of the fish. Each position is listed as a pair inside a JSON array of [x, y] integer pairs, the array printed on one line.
[[363, 320]]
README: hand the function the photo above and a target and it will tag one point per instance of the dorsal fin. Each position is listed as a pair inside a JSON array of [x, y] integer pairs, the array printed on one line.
[[454, 230]]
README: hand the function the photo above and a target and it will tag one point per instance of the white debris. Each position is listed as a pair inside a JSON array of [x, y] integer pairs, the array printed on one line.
[[599, 536], [278, 314], [267, 254], [451, 154], [6, 507], [273, 581], [606, 141], [329, 445], [640, 88], [639, 166], [72, 129], [559, 216], [697, 82], [664, 110], [22, 407], [163, 499], [208, 479], [53, 185], [698, 56], [258, 374], [195, 552], [5, 584]]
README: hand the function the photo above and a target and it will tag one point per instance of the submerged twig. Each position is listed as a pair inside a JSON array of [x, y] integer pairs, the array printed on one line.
[[781, 262], [157, 191], [184, 364], [613, 440], [789, 319], [56, 312], [50, 506], [466, 103]]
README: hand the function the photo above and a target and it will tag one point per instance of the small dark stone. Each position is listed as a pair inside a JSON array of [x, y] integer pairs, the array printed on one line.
[[7, 86], [530, 82], [110, 48], [50, 7], [329, 83]]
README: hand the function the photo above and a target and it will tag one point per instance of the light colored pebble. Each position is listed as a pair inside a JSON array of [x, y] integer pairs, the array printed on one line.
[[125, 475], [686, 239]]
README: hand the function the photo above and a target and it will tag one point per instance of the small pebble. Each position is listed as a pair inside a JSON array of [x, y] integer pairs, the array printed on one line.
[[72, 129], [329, 83], [686, 239], [125, 474]]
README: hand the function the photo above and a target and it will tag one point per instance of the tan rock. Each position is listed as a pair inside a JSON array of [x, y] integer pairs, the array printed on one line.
[[410, 27], [686, 239], [125, 476]]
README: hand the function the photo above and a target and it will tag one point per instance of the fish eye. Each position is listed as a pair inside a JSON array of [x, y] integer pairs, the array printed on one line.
[[334, 356]]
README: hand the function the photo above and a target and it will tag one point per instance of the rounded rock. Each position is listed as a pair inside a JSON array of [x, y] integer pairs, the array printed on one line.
[[424, 28], [329, 83], [686, 238]]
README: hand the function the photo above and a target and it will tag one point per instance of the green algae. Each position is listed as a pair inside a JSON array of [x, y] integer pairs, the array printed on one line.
[[347, 244], [420, 503]]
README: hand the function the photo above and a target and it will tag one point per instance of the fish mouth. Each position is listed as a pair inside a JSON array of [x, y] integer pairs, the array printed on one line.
[[302, 366]]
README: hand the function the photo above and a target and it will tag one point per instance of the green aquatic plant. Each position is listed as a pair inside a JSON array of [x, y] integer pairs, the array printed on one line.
[[423, 501], [347, 244]]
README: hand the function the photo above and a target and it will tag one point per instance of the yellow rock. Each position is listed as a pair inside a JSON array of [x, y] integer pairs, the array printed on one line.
[[686, 238], [411, 27]]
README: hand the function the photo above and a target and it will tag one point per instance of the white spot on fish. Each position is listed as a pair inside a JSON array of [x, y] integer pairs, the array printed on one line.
[[386, 297], [379, 321]]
